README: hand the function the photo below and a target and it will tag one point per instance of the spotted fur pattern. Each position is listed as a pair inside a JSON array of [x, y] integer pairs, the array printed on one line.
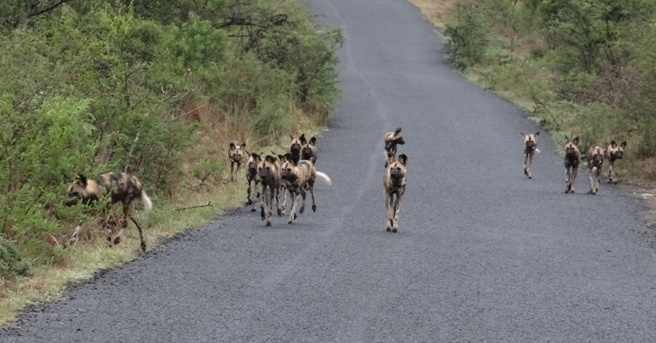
[[595, 159], [236, 152], [613, 152], [122, 187], [572, 161], [530, 149], [394, 182]]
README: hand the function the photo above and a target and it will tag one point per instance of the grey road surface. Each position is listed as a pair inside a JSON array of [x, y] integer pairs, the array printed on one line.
[[482, 255]]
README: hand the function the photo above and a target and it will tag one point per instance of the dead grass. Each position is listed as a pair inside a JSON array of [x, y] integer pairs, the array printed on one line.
[[434, 10]]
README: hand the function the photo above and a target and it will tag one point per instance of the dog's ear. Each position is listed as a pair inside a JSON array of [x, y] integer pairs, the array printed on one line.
[[397, 131], [537, 133], [576, 140], [243, 145], [623, 144], [270, 158], [82, 180], [403, 159], [232, 146], [523, 134], [302, 139], [288, 157], [313, 141], [613, 144]]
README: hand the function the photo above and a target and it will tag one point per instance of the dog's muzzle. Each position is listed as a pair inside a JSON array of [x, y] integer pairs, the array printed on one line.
[[530, 146], [617, 155], [597, 161], [295, 149]]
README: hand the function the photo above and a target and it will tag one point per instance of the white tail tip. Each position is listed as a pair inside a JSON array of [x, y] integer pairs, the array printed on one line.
[[148, 204], [324, 178]]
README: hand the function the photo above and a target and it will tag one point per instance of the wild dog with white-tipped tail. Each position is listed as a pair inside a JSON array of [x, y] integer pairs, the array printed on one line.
[[298, 179]]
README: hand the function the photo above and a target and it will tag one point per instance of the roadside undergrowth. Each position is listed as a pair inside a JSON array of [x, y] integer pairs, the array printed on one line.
[[207, 194]]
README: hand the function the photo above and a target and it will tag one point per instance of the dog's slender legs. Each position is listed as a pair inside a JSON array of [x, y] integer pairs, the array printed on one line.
[[303, 193], [389, 204], [594, 180], [141, 236], [397, 209], [527, 167], [292, 208], [311, 189], [268, 194]]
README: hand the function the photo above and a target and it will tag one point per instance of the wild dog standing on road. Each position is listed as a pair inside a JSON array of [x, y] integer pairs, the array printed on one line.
[[392, 139], [613, 152], [530, 149], [297, 180], [309, 151], [394, 181], [236, 152], [123, 187], [269, 172], [253, 178], [572, 160], [595, 159], [295, 148]]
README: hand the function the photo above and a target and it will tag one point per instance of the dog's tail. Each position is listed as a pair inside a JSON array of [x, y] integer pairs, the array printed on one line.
[[148, 204], [324, 178]]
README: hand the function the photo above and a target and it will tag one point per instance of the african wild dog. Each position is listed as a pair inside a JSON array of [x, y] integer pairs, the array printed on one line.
[[394, 181], [295, 148], [236, 152], [269, 171], [572, 160], [298, 179], [530, 149], [595, 161], [122, 187], [392, 139], [309, 151], [613, 152], [253, 178]]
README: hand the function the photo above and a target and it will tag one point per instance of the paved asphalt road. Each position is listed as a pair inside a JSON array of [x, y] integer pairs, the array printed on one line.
[[483, 254]]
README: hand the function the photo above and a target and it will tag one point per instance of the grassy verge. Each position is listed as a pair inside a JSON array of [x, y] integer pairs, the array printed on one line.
[[199, 205]]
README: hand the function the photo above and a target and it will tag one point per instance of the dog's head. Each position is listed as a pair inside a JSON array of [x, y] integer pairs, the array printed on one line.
[[287, 169], [251, 166], [595, 157], [396, 171], [392, 139], [237, 150], [572, 153], [615, 151], [82, 189], [309, 150], [296, 145], [268, 170], [530, 141]]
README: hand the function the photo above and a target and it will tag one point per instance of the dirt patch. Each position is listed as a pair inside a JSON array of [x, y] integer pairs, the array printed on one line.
[[434, 10]]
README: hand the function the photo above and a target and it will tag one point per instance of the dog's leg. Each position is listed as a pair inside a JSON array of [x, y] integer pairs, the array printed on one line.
[[269, 194], [283, 190], [597, 174], [141, 236], [279, 189], [526, 171], [567, 180], [232, 166], [591, 171], [397, 209], [292, 208], [262, 201], [611, 172], [389, 204], [575, 171], [311, 189], [303, 193]]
